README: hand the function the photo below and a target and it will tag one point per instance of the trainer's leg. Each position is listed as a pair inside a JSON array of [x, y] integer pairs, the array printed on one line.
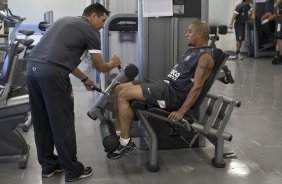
[[42, 130], [60, 106]]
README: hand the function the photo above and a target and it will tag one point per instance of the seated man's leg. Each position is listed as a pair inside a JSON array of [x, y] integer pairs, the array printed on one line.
[[124, 94], [124, 114], [117, 90]]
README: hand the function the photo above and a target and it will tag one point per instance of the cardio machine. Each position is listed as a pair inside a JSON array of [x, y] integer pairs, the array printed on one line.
[[13, 111], [19, 85]]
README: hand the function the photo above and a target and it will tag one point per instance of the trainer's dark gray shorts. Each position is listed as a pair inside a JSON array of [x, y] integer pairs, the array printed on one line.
[[153, 92], [278, 28], [239, 31]]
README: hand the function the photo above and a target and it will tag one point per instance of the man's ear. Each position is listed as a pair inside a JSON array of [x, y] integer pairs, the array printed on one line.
[[200, 33], [94, 15]]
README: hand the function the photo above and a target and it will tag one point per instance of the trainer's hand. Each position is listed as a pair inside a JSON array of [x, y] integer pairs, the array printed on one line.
[[175, 116], [230, 26], [114, 61], [89, 85]]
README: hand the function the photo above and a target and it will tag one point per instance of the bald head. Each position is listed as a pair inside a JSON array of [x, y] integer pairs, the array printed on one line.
[[202, 27]]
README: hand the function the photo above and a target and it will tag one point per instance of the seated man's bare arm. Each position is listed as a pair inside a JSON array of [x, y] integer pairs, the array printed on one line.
[[202, 73]]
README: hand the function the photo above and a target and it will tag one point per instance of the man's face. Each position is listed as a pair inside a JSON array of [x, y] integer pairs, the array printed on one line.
[[192, 34], [98, 21]]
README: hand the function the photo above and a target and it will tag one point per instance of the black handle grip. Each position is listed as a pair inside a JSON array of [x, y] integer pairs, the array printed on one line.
[[119, 67], [96, 88]]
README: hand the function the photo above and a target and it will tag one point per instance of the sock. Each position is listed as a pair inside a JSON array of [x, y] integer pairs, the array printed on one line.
[[237, 52], [118, 132], [124, 142]]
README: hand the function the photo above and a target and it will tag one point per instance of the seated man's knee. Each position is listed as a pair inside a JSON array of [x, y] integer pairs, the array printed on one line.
[[119, 87], [122, 93]]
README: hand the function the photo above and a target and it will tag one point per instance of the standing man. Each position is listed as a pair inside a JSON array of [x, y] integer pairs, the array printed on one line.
[[50, 91], [177, 92], [278, 33], [240, 17]]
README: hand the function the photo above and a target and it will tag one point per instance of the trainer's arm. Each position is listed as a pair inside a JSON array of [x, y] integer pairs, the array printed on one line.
[[233, 20], [101, 66], [202, 73], [277, 3]]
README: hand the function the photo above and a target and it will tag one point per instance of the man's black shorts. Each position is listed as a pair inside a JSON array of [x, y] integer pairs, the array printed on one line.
[[153, 92]]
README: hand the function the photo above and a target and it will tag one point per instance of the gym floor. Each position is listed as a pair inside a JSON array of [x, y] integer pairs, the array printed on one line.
[[256, 128]]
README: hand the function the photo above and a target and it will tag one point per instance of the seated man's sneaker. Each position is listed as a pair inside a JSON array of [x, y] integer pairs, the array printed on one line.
[[52, 173], [86, 173], [122, 150]]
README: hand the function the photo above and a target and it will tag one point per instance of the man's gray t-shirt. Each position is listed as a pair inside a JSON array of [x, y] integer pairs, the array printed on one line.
[[242, 11], [65, 41]]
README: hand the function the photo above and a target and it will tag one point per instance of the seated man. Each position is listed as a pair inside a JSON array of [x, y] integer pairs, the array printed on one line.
[[176, 92]]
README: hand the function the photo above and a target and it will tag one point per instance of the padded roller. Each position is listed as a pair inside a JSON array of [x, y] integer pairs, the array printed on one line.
[[109, 137]]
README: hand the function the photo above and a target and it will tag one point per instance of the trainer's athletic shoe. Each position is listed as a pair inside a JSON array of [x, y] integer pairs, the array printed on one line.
[[122, 150], [86, 173], [240, 57], [276, 61], [50, 174]]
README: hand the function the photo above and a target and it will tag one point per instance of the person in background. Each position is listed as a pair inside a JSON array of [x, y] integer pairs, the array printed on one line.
[[239, 19], [51, 61], [277, 60]]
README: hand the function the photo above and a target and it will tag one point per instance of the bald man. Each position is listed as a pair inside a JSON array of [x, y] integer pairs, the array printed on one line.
[[177, 92]]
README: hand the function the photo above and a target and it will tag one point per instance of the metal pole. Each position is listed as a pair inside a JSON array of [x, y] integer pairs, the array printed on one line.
[[140, 39], [255, 33]]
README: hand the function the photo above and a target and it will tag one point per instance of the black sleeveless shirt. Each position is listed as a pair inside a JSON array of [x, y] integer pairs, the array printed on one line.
[[180, 80]]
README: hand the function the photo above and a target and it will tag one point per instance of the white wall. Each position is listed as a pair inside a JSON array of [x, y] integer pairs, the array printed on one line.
[[123, 6], [33, 10], [221, 11]]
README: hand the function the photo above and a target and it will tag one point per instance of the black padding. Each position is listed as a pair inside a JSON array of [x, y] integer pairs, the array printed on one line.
[[219, 58], [222, 29], [109, 137], [25, 42], [213, 29], [42, 26], [19, 50], [27, 32], [131, 71]]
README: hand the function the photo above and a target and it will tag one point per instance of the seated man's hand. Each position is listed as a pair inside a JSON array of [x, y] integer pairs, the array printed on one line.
[[175, 116]]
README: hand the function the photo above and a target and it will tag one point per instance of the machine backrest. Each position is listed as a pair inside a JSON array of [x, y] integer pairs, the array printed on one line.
[[220, 58], [8, 65]]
